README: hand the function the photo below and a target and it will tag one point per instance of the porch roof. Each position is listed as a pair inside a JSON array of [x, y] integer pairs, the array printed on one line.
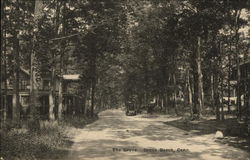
[[73, 77]]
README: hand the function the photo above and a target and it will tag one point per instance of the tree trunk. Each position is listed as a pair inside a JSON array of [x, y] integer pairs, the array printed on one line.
[[190, 95], [63, 43], [52, 80], [221, 97], [61, 87], [195, 93], [174, 94], [83, 102], [3, 93], [60, 93], [34, 76], [221, 83], [165, 103], [1, 56], [238, 87], [158, 101], [216, 94], [245, 82], [236, 29], [5, 80], [34, 97], [228, 95], [212, 90], [93, 80], [199, 82], [228, 81], [16, 97], [86, 102], [93, 85], [162, 103], [92, 98], [145, 68], [52, 95]]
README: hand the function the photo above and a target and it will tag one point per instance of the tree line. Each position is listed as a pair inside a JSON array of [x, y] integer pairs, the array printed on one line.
[[189, 46], [147, 48]]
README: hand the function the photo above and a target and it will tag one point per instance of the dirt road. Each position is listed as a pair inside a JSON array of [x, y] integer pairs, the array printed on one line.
[[116, 136]]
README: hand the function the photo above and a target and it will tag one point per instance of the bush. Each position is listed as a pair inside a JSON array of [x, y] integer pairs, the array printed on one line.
[[52, 139], [22, 144]]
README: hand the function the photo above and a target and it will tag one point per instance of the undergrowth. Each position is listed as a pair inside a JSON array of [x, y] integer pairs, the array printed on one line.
[[53, 139]]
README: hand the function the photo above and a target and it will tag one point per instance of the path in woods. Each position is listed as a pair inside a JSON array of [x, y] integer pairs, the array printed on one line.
[[114, 133]]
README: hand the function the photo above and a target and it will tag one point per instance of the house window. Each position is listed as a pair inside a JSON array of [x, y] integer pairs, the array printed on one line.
[[23, 84], [24, 100]]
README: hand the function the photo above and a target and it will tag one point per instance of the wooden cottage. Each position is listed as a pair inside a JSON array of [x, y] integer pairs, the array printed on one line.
[[70, 98], [244, 81]]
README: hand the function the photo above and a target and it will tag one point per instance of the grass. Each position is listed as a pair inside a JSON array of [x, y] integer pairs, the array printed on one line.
[[53, 140]]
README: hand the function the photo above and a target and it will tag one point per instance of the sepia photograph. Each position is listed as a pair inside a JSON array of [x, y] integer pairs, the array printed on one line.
[[125, 80]]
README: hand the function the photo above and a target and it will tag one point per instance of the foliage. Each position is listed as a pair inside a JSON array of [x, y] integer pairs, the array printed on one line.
[[21, 144], [51, 141], [148, 49]]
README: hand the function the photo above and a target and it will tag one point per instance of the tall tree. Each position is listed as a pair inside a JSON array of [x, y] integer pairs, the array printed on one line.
[[1, 57], [35, 78], [61, 70], [53, 66], [16, 49]]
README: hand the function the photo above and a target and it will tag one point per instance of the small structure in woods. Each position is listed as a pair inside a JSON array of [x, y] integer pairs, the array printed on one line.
[[244, 87], [70, 98], [244, 81]]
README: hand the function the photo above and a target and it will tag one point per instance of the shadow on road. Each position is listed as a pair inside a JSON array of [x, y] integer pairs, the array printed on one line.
[[104, 148], [145, 136], [232, 130], [98, 149]]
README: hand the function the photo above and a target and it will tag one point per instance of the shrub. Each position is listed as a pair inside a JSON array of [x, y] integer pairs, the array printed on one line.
[[52, 139], [21, 144]]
